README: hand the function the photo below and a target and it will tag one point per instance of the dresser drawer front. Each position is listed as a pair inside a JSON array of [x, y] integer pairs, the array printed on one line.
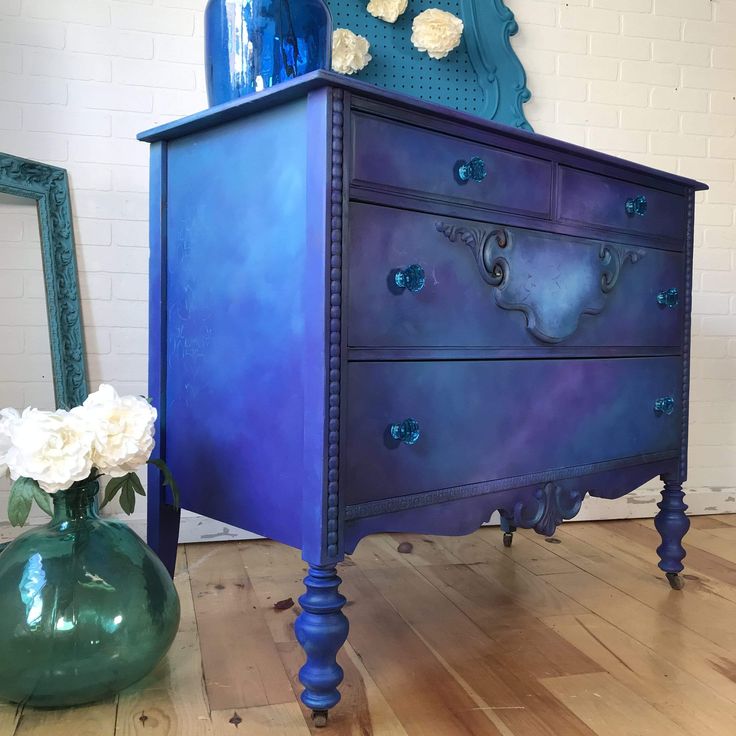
[[597, 200], [396, 156], [552, 294], [486, 420]]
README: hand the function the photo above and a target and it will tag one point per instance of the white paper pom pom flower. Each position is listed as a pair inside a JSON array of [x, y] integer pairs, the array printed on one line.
[[437, 32], [388, 10], [349, 51]]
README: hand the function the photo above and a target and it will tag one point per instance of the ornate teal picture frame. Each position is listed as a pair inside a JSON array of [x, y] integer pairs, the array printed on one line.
[[48, 185], [482, 76]]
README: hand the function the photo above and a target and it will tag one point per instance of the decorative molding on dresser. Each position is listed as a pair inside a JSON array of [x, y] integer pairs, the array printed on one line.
[[587, 280], [488, 488], [550, 506], [687, 307], [335, 323]]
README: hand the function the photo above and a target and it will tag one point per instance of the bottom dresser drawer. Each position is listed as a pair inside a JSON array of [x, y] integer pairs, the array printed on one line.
[[417, 426]]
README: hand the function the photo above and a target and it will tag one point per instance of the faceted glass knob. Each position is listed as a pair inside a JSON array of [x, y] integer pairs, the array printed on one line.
[[668, 298], [636, 205], [664, 405], [474, 169], [406, 431], [411, 278]]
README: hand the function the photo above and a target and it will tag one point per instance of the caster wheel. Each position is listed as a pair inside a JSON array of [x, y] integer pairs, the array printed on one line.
[[508, 538], [320, 718], [675, 581]]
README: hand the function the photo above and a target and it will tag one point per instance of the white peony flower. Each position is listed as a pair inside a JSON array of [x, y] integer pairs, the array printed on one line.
[[123, 430], [52, 447], [349, 51], [437, 32], [7, 418], [388, 10]]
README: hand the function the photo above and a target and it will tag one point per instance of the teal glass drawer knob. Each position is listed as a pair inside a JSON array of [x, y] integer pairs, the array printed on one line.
[[668, 298], [664, 405], [406, 431], [474, 169], [412, 278], [636, 205]]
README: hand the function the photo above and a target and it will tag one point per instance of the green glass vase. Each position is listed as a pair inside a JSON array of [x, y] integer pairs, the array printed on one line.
[[86, 607]]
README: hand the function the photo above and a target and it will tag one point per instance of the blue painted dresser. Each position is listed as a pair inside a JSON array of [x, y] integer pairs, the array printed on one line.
[[370, 313]]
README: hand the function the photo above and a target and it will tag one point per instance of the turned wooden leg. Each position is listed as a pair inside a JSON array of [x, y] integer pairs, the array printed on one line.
[[672, 525], [321, 629], [508, 530]]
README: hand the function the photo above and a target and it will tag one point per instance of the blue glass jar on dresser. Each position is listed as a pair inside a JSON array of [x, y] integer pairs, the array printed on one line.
[[253, 44]]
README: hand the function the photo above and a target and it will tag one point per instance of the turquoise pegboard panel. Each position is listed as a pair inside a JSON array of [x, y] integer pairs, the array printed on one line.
[[482, 76]]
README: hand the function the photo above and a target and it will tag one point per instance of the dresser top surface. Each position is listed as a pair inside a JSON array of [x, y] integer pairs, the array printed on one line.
[[300, 87]]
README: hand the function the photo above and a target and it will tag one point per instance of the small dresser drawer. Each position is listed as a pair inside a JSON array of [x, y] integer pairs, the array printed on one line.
[[434, 166], [416, 280], [462, 422], [592, 199]]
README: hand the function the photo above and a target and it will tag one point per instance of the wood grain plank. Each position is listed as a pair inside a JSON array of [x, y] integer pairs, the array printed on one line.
[[705, 613], [492, 668], [283, 719], [672, 691], [523, 644], [677, 644], [378, 550], [362, 710], [609, 708], [276, 575], [241, 666], [171, 701], [525, 588], [9, 716], [719, 542], [397, 659], [97, 719], [697, 561], [707, 522], [425, 550], [539, 559], [608, 537]]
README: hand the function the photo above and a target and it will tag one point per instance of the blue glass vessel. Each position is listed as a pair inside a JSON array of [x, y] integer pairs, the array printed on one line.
[[253, 44]]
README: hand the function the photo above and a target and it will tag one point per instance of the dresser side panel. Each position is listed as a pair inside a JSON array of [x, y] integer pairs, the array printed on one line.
[[237, 337]]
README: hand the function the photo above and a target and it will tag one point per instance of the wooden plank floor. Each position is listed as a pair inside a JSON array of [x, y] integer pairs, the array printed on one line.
[[576, 637]]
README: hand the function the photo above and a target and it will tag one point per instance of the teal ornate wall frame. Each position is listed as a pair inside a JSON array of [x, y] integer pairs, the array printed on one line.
[[483, 76], [48, 185]]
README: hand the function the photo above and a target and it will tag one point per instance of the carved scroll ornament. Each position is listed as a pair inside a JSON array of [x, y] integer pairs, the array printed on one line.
[[551, 279], [547, 509]]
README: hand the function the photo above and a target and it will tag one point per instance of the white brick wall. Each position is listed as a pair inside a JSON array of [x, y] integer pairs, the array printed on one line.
[[78, 80], [650, 80]]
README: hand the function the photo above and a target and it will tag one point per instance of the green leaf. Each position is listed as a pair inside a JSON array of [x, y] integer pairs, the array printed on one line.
[[128, 484], [21, 500], [168, 478], [127, 497], [137, 485], [111, 489], [43, 500]]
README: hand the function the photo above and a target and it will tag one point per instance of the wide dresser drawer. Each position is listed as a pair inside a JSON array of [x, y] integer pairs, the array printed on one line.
[[417, 426], [591, 199], [431, 165], [418, 280]]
